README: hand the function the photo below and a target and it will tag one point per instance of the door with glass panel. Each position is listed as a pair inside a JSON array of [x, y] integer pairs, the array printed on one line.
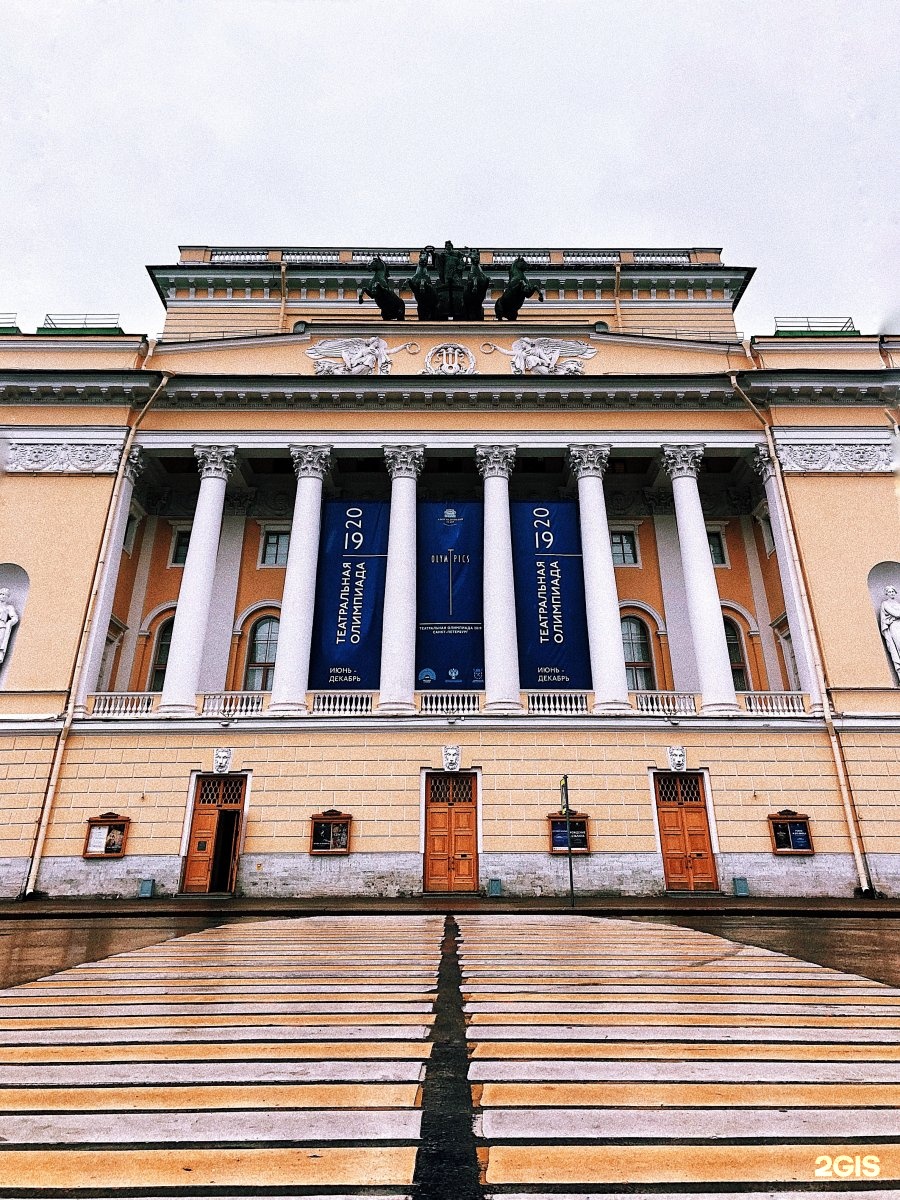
[[212, 857], [688, 860], [451, 824]]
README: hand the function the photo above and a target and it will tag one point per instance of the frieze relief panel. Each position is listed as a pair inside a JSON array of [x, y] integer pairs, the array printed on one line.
[[836, 457], [63, 458]]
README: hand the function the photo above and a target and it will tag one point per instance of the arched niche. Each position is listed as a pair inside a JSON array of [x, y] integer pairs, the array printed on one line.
[[15, 580], [884, 575]]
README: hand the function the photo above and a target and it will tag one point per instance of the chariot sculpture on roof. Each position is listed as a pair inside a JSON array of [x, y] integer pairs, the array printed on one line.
[[449, 284]]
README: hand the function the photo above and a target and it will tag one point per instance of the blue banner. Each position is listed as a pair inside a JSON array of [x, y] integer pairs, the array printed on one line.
[[346, 637], [550, 614], [450, 634]]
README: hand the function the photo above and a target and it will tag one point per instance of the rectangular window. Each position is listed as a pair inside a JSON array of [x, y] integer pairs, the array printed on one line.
[[330, 832], [716, 548], [180, 545], [275, 549], [624, 548], [790, 832], [106, 836]]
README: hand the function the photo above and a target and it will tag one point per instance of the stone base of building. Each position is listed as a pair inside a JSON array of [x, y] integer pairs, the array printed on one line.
[[351, 875], [769, 875], [115, 877], [396, 875], [13, 872]]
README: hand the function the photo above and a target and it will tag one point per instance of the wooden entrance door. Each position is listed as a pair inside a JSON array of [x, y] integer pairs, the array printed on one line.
[[212, 855], [684, 832], [451, 847]]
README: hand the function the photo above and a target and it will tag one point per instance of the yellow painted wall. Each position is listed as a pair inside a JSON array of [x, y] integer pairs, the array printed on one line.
[[52, 526], [845, 525], [375, 775], [24, 767]]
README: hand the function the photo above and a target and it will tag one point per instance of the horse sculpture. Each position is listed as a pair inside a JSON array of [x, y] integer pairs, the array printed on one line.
[[379, 288], [421, 285], [516, 292], [475, 289]]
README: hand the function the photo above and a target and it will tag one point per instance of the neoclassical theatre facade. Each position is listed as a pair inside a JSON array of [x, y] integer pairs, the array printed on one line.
[[325, 589]]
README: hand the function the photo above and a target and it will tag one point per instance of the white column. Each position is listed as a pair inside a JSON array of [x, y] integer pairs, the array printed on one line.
[[604, 624], [398, 638], [103, 604], [219, 628], [704, 606], [179, 694], [291, 676], [501, 649], [800, 635]]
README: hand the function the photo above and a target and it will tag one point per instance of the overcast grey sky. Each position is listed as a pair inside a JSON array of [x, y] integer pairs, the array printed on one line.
[[768, 128]]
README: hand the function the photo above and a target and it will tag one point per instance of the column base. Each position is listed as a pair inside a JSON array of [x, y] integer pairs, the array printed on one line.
[[288, 708], [611, 708], [503, 707], [723, 709], [396, 708], [177, 710]]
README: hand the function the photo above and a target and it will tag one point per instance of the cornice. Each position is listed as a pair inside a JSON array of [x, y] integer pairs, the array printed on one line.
[[44, 343]]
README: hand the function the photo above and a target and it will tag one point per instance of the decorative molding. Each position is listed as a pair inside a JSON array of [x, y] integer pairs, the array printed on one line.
[[682, 462], [311, 462], [544, 355], [404, 462], [449, 358], [588, 462], [677, 758], [222, 760], [763, 465], [215, 462], [356, 356], [63, 458], [495, 462], [136, 465], [450, 758], [239, 504], [837, 457]]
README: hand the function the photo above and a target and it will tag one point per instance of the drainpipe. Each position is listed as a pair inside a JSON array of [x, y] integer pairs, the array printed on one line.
[[840, 767], [616, 297], [75, 680]]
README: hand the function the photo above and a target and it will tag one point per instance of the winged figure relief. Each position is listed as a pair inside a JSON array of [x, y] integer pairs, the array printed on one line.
[[547, 356], [353, 356]]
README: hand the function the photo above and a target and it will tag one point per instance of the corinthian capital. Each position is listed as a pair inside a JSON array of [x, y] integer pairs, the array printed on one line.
[[682, 462], [215, 462], [311, 462], [588, 462], [495, 462], [137, 462], [762, 464], [404, 462]]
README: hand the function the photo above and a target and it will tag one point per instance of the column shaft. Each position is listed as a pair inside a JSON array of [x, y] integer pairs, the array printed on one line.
[[608, 673], [179, 694], [291, 676], [103, 605], [800, 636], [703, 602], [501, 649], [398, 639]]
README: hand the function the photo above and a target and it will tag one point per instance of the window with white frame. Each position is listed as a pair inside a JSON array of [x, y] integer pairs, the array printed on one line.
[[181, 539], [624, 547], [717, 551], [274, 546], [638, 656]]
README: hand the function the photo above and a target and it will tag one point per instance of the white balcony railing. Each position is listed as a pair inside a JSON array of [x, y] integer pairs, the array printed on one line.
[[447, 704], [558, 704], [342, 704], [664, 704], [123, 704], [233, 704], [773, 704]]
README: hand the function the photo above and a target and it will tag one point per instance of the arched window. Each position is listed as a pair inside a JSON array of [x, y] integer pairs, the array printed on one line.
[[638, 659], [735, 642], [161, 655], [261, 655]]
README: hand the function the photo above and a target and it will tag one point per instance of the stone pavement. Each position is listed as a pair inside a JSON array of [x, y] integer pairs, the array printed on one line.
[[326, 1057]]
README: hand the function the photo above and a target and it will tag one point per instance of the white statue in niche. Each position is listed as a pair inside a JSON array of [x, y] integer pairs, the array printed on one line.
[[677, 758], [889, 620], [9, 619]]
